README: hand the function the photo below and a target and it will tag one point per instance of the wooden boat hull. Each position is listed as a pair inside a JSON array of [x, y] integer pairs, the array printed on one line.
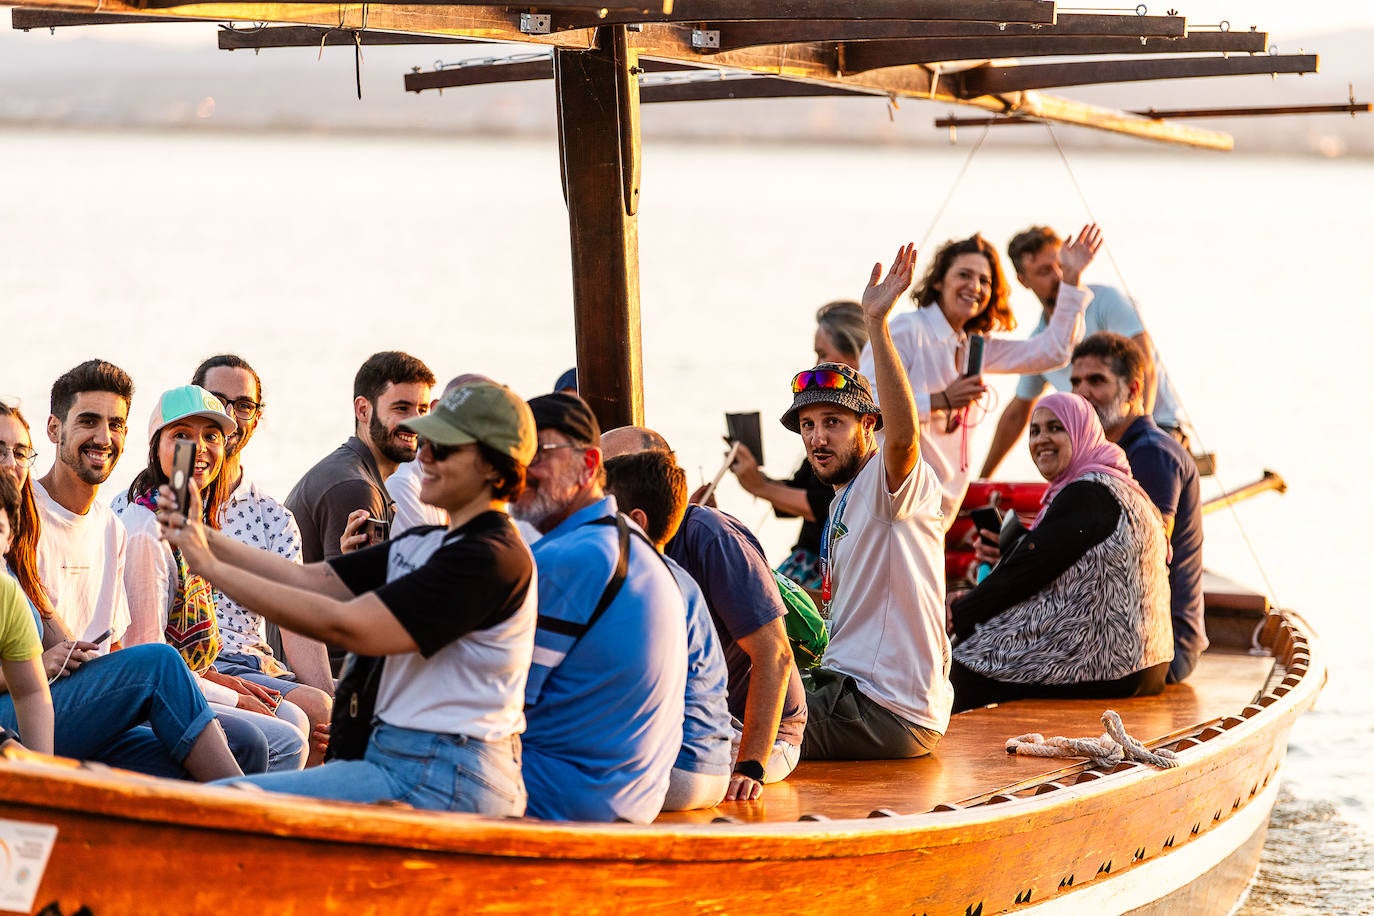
[[1131, 839]]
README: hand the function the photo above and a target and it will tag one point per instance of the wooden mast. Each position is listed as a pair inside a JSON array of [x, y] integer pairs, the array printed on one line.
[[598, 141]]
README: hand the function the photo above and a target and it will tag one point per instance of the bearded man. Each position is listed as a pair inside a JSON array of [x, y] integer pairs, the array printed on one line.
[[882, 691], [390, 388], [1108, 371]]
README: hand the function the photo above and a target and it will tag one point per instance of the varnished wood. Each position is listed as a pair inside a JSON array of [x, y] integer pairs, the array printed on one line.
[[736, 35], [753, 87], [971, 760], [598, 126], [873, 55], [512, 71], [305, 36], [714, 11], [1000, 79]]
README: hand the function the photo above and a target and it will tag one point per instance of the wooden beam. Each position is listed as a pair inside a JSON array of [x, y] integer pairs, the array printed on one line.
[[861, 56], [598, 141], [309, 36], [736, 35], [26, 19], [1159, 114], [745, 87], [713, 11], [511, 71], [993, 80]]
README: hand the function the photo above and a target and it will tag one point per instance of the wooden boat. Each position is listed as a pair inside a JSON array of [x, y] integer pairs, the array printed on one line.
[[969, 830]]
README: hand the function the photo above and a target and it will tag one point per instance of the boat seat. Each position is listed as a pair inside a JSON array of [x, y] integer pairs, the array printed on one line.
[[971, 760]]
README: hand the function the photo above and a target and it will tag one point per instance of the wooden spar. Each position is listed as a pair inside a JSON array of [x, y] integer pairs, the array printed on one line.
[[993, 12], [745, 87], [873, 55], [1270, 481], [25, 19], [308, 36], [736, 35], [598, 142], [1350, 108], [509, 71], [991, 80]]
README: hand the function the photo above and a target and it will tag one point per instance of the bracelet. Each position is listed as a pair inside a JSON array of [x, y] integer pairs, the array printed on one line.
[[751, 768]]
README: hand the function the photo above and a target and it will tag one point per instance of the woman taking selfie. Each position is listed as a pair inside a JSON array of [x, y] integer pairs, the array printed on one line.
[[1080, 606], [452, 610], [167, 603]]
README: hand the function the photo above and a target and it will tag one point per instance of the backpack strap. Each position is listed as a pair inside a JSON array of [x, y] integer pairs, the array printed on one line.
[[608, 594]]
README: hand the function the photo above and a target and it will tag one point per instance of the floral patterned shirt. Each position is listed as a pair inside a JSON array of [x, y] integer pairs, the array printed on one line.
[[252, 517]]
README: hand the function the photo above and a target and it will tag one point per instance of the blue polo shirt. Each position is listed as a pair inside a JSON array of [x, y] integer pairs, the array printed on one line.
[[1166, 471], [604, 712], [706, 730]]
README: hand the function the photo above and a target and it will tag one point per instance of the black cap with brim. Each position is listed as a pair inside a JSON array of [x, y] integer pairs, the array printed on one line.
[[854, 396], [569, 415]]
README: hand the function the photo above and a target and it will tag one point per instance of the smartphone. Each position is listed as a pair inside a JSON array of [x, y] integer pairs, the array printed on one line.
[[975, 355], [102, 637], [745, 428], [377, 530], [986, 518], [183, 463]]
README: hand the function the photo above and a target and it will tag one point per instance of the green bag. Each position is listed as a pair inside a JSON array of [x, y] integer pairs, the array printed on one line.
[[806, 629]]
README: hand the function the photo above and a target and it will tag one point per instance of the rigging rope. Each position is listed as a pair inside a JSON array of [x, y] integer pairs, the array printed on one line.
[[1106, 246], [958, 179], [1106, 751]]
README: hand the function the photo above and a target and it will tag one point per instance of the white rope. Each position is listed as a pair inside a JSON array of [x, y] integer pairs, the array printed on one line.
[[1105, 751]]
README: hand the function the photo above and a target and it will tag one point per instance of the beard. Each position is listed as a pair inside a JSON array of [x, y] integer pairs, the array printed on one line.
[[72, 458], [387, 442], [1114, 413], [541, 503], [846, 467]]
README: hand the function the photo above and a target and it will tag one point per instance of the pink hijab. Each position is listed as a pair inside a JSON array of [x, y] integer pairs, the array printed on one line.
[[1092, 453]]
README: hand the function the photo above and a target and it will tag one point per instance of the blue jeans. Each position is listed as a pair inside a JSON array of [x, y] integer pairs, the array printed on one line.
[[423, 769], [283, 735], [105, 698], [249, 667]]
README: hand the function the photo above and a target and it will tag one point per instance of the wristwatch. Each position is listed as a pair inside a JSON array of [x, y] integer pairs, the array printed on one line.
[[751, 768]]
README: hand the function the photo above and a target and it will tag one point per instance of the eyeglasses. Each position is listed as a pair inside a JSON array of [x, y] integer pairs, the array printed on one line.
[[542, 451], [436, 451], [22, 454], [819, 378], [242, 408]]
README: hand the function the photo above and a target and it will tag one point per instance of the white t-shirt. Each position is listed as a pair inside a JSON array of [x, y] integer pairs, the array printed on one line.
[[81, 563], [887, 616], [411, 511]]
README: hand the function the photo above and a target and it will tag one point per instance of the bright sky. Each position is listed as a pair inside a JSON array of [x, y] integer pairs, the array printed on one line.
[[1285, 20]]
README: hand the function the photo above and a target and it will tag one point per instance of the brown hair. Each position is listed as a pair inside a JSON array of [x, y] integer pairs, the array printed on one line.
[[23, 553], [843, 321], [92, 375], [1029, 243], [998, 315], [512, 482], [653, 483], [151, 477], [227, 361]]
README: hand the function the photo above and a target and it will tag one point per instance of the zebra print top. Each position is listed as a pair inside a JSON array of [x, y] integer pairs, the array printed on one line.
[[1102, 618]]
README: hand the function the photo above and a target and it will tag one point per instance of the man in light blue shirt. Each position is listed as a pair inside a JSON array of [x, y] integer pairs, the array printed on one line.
[[1035, 256], [604, 699]]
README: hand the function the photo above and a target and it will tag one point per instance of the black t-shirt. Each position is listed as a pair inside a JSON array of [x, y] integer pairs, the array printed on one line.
[[441, 589], [818, 497]]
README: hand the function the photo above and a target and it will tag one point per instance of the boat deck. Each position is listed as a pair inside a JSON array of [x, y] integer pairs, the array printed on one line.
[[972, 761]]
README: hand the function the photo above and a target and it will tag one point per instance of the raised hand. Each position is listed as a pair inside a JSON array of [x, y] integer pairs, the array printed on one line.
[[880, 297], [1077, 254]]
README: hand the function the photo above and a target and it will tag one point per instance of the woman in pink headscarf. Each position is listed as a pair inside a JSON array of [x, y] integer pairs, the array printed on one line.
[[1080, 607]]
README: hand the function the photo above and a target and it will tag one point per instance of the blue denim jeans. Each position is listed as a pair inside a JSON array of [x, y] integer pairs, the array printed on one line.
[[105, 698], [423, 769], [283, 735], [249, 667]]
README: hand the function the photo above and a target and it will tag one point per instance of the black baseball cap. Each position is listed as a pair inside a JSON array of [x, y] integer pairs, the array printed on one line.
[[569, 415]]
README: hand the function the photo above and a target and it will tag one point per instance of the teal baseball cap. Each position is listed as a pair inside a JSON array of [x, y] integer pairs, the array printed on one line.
[[188, 401]]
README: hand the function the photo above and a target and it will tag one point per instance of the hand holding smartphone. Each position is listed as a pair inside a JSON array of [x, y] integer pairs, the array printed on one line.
[[974, 367], [183, 464]]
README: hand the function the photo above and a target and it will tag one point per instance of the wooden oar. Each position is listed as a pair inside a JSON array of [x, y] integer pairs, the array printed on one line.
[[1270, 481]]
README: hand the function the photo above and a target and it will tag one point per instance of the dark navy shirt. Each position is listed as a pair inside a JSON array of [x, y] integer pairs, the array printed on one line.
[[728, 563], [1166, 471]]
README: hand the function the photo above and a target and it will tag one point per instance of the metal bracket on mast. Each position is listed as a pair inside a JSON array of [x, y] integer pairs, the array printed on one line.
[[536, 23], [706, 39]]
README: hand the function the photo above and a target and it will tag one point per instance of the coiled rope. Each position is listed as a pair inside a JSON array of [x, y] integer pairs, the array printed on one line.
[[1106, 751]]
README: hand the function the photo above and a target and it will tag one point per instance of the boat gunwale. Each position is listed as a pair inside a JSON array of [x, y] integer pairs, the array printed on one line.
[[1291, 688]]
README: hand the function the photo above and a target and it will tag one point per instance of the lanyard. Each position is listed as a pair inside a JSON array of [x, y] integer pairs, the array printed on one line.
[[832, 522]]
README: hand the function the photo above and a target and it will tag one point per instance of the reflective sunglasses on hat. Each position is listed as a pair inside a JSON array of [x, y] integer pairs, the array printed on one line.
[[819, 378]]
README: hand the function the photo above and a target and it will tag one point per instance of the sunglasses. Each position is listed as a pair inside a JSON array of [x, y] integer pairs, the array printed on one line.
[[436, 451], [819, 378]]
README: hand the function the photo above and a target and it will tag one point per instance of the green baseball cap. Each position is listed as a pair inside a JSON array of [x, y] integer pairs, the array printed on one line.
[[189, 401], [481, 412]]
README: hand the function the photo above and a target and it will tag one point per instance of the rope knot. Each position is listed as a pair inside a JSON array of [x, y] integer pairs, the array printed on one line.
[[1105, 751]]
